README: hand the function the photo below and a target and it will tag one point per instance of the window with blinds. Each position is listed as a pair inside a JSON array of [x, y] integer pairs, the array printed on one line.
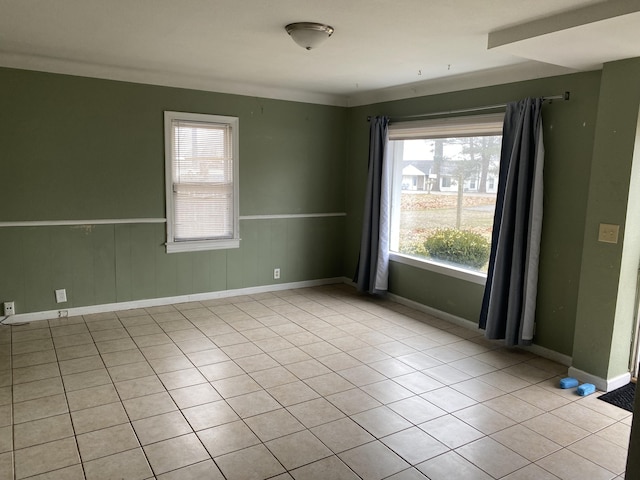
[[202, 181]]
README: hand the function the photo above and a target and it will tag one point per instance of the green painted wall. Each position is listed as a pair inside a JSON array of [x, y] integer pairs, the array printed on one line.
[[568, 129], [605, 312], [82, 149]]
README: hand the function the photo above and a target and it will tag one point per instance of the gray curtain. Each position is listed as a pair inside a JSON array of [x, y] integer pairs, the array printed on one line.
[[372, 270], [508, 306]]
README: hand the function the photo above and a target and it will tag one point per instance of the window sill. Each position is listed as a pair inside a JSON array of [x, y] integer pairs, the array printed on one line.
[[455, 272], [202, 245]]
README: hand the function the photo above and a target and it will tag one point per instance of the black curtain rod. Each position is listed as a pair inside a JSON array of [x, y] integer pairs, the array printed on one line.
[[565, 96]]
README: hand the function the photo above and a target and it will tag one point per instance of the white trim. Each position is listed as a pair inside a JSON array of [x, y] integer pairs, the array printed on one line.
[[166, 79], [603, 384], [151, 302], [463, 322], [437, 267], [104, 221], [292, 215]]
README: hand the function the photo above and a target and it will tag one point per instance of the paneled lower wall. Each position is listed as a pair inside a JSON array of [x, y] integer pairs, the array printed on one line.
[[113, 263]]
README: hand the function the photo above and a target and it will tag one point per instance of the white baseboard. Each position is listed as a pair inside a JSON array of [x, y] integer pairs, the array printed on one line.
[[463, 322], [151, 302], [603, 384]]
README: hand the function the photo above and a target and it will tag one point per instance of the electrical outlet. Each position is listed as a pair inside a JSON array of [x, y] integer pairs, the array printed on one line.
[[608, 233], [63, 313], [61, 295], [9, 308], [276, 273]]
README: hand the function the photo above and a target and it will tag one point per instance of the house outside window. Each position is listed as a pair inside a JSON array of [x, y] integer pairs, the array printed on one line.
[[201, 171], [450, 223]]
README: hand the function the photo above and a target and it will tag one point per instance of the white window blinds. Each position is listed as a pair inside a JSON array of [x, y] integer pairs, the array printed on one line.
[[203, 183]]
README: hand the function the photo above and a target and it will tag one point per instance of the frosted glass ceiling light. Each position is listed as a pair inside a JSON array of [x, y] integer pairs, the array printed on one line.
[[308, 34]]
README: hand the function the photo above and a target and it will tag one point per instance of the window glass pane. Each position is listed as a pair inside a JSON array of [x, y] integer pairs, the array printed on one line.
[[444, 198]]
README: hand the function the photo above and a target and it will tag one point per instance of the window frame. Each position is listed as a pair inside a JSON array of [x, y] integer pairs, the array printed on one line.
[[471, 125], [173, 245]]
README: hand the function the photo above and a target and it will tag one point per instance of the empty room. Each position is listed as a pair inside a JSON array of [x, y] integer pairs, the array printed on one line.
[[319, 240]]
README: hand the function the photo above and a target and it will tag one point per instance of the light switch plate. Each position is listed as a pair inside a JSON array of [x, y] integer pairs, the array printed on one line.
[[608, 233], [61, 295]]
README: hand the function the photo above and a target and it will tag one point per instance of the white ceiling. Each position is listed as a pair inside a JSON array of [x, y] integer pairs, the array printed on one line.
[[381, 49]]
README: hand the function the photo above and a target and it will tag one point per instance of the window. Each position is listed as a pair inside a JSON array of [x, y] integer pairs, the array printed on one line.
[[201, 156], [448, 219]]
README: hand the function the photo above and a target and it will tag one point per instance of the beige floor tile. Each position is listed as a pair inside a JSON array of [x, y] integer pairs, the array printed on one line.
[[39, 408], [416, 409], [109, 334], [381, 421], [252, 404], [307, 369], [586, 418], [617, 433], [118, 345], [277, 423], [526, 442], [105, 442], [194, 395], [273, 377], [149, 405], [343, 361], [541, 398], [92, 397], [140, 329], [123, 357], [388, 391], [210, 415], [391, 367], [353, 401], [139, 387], [592, 402], [330, 467], [362, 375], [79, 365], [76, 351], [227, 438], [602, 452], [40, 388], [35, 372], [483, 418], [414, 445], [292, 393], [240, 350], [504, 381], [41, 431], [252, 463], [446, 374], [181, 378], [72, 340], [120, 373], [96, 418], [418, 382], [45, 457], [440, 468], [448, 399], [221, 370], [298, 449], [170, 364], [130, 464], [514, 408], [34, 358], [207, 357], [6, 466], [6, 439], [31, 346], [373, 461], [80, 381], [531, 472], [255, 363], [341, 435], [492, 457], [197, 471], [282, 351], [329, 384], [570, 466], [556, 429], [74, 472], [234, 386], [451, 431], [157, 339], [477, 390], [161, 427], [315, 412], [160, 351]]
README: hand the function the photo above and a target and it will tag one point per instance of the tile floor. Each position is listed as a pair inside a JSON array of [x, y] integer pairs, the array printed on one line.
[[315, 383]]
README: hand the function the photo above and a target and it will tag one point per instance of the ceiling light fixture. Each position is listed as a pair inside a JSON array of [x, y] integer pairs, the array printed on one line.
[[308, 34]]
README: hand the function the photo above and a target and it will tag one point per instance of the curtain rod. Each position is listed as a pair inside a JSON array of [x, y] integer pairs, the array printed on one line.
[[565, 96]]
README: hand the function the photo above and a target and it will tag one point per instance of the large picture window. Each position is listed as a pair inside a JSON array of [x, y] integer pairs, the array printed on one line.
[[444, 189], [202, 181]]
